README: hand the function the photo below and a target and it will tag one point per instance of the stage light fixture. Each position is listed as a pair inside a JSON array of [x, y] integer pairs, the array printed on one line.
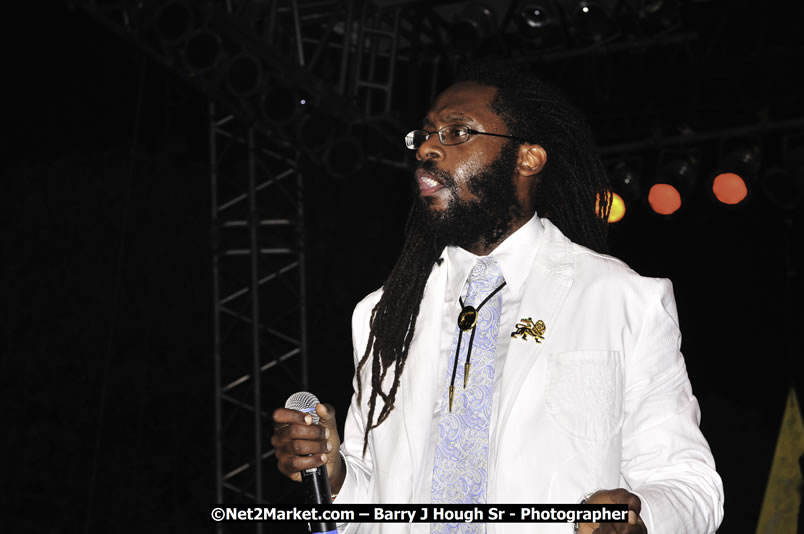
[[737, 170], [624, 179], [729, 188], [675, 178], [315, 130], [174, 21], [784, 185], [343, 156], [649, 7], [244, 75], [472, 25], [379, 139], [282, 104], [203, 52], [592, 21], [664, 199], [617, 208], [657, 15], [539, 22]]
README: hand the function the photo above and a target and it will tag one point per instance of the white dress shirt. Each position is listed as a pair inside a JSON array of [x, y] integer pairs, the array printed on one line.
[[514, 256]]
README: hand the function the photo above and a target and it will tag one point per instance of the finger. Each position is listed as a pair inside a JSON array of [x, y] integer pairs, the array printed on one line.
[[288, 463], [293, 467], [625, 528], [302, 463], [311, 432], [326, 415], [287, 470], [306, 447], [623, 496], [634, 503], [621, 528], [287, 446], [638, 527], [288, 416]]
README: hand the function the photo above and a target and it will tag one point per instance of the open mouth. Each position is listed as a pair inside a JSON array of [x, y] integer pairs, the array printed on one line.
[[428, 183]]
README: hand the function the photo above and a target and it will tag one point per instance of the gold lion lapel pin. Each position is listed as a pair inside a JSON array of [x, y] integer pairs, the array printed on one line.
[[526, 327]]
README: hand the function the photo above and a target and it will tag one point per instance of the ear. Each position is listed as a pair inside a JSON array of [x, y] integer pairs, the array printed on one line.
[[531, 160]]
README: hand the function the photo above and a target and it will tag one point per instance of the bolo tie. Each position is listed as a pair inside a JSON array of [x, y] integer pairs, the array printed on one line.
[[467, 320]]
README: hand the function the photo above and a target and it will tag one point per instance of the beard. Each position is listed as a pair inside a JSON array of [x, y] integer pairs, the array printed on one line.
[[486, 219]]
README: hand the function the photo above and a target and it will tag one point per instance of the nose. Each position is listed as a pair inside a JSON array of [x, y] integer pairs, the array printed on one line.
[[430, 149]]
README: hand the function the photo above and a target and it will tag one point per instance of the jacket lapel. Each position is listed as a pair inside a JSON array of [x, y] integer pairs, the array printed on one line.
[[545, 291]]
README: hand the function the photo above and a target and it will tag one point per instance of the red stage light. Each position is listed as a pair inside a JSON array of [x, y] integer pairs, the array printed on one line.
[[729, 188], [664, 199]]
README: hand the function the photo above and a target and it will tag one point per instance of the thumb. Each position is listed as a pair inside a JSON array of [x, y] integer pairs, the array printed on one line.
[[326, 415]]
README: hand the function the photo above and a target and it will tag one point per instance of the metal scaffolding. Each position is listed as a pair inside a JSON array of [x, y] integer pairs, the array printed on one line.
[[256, 61], [259, 297]]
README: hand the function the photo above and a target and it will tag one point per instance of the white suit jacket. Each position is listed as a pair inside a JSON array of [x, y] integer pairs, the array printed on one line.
[[603, 402]]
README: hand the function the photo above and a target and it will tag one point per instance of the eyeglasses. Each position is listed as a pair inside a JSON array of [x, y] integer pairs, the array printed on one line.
[[448, 135]]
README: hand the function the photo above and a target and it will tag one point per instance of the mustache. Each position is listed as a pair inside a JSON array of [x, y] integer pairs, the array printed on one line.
[[430, 167]]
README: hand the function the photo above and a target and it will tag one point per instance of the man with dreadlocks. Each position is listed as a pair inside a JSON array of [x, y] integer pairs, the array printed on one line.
[[576, 388]]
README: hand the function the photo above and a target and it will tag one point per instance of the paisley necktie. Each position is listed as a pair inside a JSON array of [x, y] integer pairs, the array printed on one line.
[[461, 460]]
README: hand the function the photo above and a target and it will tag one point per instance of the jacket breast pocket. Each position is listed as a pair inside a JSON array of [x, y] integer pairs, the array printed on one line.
[[584, 393]]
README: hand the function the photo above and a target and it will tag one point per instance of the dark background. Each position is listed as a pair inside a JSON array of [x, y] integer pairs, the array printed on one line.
[[106, 339]]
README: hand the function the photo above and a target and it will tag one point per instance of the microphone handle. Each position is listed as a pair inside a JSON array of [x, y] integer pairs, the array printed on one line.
[[316, 491]]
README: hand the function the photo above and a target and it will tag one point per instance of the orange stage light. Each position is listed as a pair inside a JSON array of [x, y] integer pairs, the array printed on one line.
[[729, 188], [664, 199]]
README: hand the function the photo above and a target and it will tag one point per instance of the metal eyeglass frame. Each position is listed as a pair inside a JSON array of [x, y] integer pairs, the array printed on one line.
[[409, 137]]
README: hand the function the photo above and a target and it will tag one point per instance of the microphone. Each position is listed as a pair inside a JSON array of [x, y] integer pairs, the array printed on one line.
[[316, 480]]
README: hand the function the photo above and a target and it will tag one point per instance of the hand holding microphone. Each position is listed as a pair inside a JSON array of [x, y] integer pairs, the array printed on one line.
[[302, 443]]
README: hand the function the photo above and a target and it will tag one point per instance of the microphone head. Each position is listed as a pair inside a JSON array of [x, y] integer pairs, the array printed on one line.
[[303, 401]]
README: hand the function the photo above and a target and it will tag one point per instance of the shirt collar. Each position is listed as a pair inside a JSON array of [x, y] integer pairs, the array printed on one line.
[[515, 256]]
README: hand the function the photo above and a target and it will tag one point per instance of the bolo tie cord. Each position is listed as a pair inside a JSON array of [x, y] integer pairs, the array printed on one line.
[[467, 365]]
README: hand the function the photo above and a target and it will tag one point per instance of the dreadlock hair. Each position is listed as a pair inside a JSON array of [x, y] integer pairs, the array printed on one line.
[[393, 319], [573, 192]]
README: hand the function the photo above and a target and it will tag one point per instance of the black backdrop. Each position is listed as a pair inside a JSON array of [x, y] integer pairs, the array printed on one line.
[[107, 361]]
